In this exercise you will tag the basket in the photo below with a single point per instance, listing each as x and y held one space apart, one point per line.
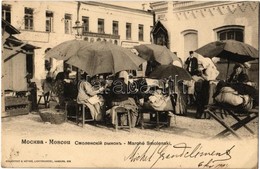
52 116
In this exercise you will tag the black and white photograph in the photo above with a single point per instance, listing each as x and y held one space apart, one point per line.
130 84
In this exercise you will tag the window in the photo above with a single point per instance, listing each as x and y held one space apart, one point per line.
6 13
115 27
234 34
190 41
128 30
101 26
85 23
28 18
49 21
68 24
141 32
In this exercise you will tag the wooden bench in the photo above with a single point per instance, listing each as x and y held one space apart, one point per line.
120 111
82 113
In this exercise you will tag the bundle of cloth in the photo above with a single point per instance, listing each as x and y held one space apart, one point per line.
236 95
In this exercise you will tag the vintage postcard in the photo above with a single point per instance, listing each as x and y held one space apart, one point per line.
130 84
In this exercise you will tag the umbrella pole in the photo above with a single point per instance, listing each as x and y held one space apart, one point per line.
227 71
77 76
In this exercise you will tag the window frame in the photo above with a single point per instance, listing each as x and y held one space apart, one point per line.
50 19
115 31
5 10
85 24
141 34
128 31
228 29
68 23
102 28
28 19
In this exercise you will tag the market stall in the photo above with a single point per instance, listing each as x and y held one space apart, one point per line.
17 69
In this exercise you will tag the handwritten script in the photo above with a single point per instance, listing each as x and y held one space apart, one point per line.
155 153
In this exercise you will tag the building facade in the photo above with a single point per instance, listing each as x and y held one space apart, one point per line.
188 25
46 24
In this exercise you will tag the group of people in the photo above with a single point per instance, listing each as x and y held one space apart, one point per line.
102 97
205 88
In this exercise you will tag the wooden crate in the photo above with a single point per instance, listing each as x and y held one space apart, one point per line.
16 106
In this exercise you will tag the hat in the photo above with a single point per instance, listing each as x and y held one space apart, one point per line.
247 65
135 51
237 65
123 74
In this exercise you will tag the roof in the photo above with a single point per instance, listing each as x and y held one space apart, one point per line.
158 26
9 28
18 42
116 7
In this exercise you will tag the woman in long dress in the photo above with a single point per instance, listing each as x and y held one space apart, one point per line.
88 96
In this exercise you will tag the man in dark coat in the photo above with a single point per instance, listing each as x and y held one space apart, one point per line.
192 64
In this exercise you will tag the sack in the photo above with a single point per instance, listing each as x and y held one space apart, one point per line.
229 96
157 102
248 102
161 102
94 99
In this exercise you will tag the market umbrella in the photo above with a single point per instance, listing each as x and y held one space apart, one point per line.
159 53
104 57
229 49
166 71
66 49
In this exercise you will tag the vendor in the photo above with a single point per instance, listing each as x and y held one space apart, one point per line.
120 97
238 75
88 96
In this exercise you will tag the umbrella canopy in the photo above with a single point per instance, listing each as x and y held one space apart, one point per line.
229 49
66 49
160 53
104 57
165 71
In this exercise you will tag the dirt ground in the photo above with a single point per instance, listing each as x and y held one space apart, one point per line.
185 130
181 126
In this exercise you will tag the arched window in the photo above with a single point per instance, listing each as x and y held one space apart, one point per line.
190 41
233 32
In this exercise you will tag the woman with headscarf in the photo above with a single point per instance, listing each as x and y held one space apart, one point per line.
120 97
88 96
238 75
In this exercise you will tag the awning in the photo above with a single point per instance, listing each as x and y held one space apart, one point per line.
9 28
17 42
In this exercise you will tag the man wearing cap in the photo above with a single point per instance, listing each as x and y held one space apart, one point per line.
192 64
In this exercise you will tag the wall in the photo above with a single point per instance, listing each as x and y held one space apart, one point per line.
207 18
14 71
204 17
